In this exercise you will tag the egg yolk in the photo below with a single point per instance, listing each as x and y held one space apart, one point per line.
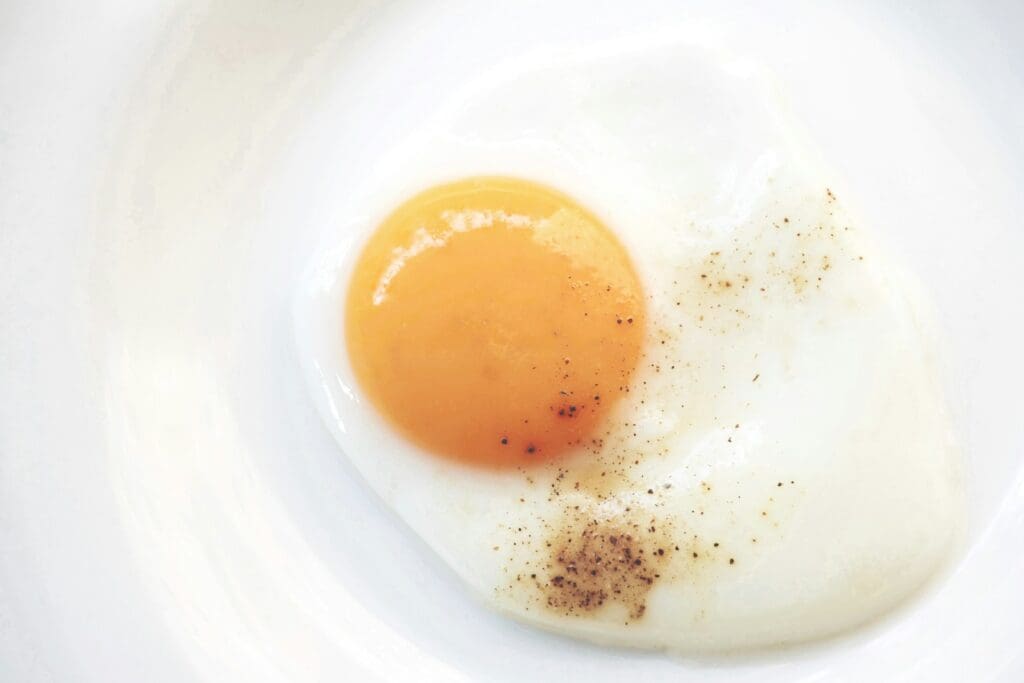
494 321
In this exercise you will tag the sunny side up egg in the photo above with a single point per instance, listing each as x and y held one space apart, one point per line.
620 358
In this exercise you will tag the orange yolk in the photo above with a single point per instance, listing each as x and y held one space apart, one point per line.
494 321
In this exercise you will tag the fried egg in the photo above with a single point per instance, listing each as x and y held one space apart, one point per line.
604 336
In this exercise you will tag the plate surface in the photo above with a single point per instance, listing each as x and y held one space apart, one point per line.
172 508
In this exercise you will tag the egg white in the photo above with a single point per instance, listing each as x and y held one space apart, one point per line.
787 408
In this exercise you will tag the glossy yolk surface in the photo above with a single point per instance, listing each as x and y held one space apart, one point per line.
494 321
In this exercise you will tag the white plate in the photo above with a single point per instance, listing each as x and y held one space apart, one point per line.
171 507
